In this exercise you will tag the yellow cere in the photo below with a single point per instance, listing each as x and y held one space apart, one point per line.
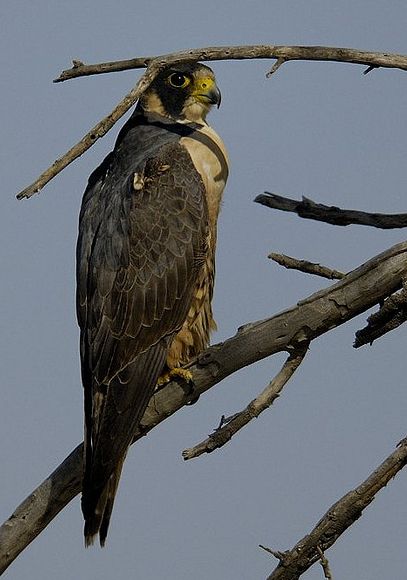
205 83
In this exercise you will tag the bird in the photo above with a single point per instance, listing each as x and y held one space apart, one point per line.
145 268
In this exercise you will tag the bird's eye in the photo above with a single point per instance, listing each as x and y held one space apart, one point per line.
178 80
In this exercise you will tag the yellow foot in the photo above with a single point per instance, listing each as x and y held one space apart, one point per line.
167 377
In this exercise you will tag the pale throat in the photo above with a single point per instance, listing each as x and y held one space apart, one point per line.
193 111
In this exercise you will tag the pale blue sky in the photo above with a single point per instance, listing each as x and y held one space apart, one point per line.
317 129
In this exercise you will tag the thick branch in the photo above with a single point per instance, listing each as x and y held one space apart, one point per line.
40 508
358 291
229 427
308 209
262 51
338 518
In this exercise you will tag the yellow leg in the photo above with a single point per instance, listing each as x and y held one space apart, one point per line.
167 377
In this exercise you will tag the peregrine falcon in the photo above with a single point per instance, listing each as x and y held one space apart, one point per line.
145 268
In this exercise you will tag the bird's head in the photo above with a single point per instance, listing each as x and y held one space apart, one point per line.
184 92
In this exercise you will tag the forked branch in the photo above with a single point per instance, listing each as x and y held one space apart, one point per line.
281 53
340 516
229 427
356 292
156 64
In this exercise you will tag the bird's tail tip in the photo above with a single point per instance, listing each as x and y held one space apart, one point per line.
89 539
97 521
90 535
97 506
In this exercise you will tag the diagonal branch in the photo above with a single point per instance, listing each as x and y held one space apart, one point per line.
355 293
337 519
98 131
229 427
330 214
281 53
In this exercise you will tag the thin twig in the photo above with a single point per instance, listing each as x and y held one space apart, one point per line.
263 51
338 518
279 62
325 564
357 292
392 313
369 69
331 214
230 427
80 69
278 555
305 266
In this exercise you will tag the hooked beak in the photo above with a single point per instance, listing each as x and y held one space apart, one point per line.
207 92
214 96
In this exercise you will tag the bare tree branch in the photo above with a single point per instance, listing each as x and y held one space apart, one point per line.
330 214
356 292
280 53
325 564
229 427
98 131
337 519
40 508
392 313
156 64
80 69
306 267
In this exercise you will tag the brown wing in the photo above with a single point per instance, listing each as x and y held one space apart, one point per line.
139 256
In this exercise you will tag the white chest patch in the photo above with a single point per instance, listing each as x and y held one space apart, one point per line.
210 159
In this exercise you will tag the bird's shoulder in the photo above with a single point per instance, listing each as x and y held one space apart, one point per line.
143 225
145 140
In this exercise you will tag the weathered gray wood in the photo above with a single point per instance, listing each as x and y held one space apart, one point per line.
308 209
356 292
337 519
